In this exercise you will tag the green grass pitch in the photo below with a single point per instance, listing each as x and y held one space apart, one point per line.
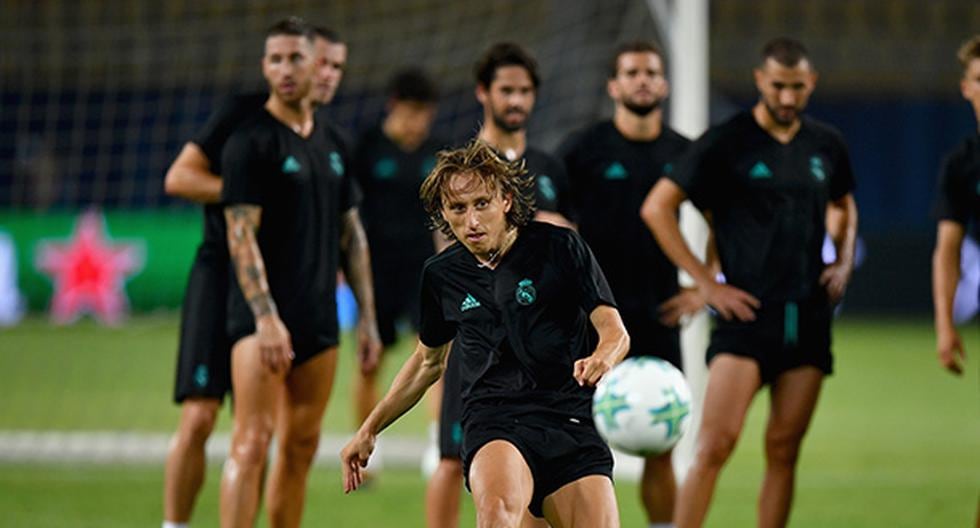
895 441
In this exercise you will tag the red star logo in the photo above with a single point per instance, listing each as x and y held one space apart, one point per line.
89 272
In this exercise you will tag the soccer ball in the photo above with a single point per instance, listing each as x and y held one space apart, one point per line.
642 406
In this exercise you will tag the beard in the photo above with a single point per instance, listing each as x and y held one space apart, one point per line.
775 115
642 110
509 127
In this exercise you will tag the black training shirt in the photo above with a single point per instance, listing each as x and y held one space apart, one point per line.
551 191
958 196
303 187
768 200
610 177
393 216
520 327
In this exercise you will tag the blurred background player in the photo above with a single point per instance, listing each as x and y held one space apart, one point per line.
517 298
203 361
507 83
957 205
769 178
612 166
390 162
290 206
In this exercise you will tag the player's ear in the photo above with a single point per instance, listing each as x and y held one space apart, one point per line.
760 79
481 93
508 200
612 89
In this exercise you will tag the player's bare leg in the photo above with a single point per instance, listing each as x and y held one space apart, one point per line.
530 521
658 488
257 393
184 469
443 493
793 399
502 485
589 501
307 391
732 383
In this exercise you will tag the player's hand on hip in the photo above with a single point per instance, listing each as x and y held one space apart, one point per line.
834 279
675 309
588 371
729 301
369 346
275 343
353 457
949 350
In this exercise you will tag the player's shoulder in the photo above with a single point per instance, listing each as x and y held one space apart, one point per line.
823 131
592 133
734 128
438 263
545 234
240 105
536 156
674 138
966 151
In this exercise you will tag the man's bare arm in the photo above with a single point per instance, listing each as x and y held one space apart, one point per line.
190 177
945 277
356 263
243 247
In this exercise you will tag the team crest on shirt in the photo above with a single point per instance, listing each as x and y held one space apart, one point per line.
526 294
336 163
427 166
547 187
816 168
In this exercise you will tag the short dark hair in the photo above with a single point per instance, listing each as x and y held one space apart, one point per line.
293 26
786 51
328 34
505 54
969 50
413 84
499 175
634 46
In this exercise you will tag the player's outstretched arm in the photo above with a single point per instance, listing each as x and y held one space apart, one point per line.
659 211
274 340
842 221
423 368
356 262
190 177
613 345
945 276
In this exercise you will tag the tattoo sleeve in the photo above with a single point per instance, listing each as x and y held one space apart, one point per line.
243 223
356 261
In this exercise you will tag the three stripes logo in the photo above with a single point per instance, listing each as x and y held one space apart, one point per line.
760 171
291 166
469 303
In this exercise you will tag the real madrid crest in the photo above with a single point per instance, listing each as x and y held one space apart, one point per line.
525 294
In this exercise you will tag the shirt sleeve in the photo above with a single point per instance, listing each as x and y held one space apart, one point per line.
563 189
228 116
842 178
951 197
698 172
434 329
247 168
568 155
593 288
350 190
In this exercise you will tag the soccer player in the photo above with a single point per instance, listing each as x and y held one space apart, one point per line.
390 162
203 368
507 82
290 211
957 205
517 297
612 166
774 183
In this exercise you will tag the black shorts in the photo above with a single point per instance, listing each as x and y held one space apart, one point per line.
558 450
451 412
648 337
784 336
204 353
396 291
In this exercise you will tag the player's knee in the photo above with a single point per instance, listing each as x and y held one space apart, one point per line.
782 448
715 448
498 511
198 422
251 446
299 449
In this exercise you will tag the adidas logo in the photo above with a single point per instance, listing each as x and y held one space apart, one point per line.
616 171
759 171
291 166
469 303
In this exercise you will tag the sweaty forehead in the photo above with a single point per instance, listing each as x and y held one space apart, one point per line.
775 69
638 59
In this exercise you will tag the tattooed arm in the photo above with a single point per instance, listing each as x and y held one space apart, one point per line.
274 341
356 262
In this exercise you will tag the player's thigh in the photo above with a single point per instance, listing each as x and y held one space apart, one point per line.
257 389
499 470
308 388
589 501
732 383
793 399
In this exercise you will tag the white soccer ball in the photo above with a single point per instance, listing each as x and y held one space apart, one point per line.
642 406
